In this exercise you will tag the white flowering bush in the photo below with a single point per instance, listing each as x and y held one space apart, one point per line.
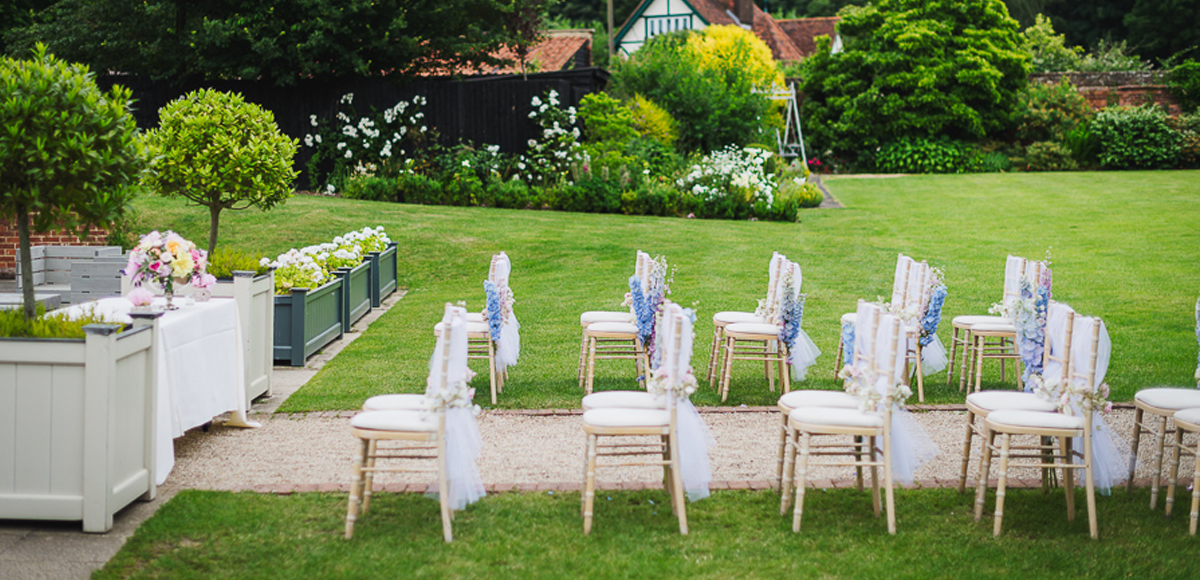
313 266
351 144
548 158
732 172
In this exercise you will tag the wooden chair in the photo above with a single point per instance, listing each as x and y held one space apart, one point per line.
1013 268
615 336
758 341
1161 404
480 346
1064 427
723 319
872 446
657 423
424 431
1002 335
1057 350
899 291
1186 421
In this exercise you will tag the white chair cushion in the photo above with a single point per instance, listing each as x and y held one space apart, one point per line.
1169 398
753 328
617 327
475 317
731 317
604 316
836 417
472 327
819 398
851 317
1010 400
994 327
624 400
395 401
614 417
972 320
1189 416
408 421
1035 419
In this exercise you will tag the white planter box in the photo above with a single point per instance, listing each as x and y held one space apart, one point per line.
77 425
255 296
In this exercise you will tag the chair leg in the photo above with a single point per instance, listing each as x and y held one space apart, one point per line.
591 366
785 371
841 351
1001 483
787 466
728 370
583 341
677 486
1158 459
967 362
985 464
369 477
1090 483
858 468
1137 437
492 368
801 480
978 357
713 355
890 489
1068 477
953 356
920 375
875 500
355 489
770 350
589 485
444 491
1174 472
966 453
1195 515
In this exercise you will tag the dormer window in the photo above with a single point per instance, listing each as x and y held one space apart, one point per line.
656 25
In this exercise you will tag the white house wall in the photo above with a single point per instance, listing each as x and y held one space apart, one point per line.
659 17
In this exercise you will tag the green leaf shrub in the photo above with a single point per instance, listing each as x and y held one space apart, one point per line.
225 261
1136 138
68 152
913 68
712 100
994 162
371 188
653 121
419 189
1048 156
14 324
1049 51
921 155
1184 83
1049 112
1083 144
803 192
221 152
1188 126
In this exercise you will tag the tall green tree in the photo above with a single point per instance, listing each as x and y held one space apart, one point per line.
281 41
916 68
1160 29
67 152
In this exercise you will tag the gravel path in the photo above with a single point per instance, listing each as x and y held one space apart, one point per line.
527 451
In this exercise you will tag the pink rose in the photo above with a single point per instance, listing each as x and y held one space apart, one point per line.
1108 407
204 281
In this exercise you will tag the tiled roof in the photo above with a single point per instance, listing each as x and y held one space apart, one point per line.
804 31
718 12
556 51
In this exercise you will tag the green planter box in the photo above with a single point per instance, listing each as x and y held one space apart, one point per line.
307 320
383 274
77 423
356 293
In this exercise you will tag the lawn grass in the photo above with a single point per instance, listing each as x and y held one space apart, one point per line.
734 534
1126 246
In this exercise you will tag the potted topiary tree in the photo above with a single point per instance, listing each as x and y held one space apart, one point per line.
76 414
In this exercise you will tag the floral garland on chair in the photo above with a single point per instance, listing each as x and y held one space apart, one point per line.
791 311
499 309
657 381
456 396
645 305
932 316
1029 313
1198 341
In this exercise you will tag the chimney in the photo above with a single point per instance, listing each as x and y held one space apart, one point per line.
744 11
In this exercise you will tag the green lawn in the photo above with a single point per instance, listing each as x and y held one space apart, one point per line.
1126 246
734 534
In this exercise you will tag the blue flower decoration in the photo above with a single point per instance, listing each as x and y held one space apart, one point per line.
493 308
933 315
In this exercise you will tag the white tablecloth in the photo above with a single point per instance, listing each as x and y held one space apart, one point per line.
199 368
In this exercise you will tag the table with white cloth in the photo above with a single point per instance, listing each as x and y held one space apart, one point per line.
199 368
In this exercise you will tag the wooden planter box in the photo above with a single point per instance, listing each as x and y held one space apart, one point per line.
356 288
307 320
383 274
255 296
77 424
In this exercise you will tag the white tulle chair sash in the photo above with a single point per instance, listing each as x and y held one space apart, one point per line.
1109 454
693 435
447 394
505 329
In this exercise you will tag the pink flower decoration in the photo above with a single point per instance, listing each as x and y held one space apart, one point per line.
140 296
205 280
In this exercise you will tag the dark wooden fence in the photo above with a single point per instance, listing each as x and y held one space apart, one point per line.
484 110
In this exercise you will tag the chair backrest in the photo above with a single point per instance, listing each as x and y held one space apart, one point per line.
866 320
1060 329
1090 352
915 287
900 280
500 269
774 269
448 366
891 350
1014 268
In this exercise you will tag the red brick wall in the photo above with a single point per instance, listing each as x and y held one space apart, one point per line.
1102 89
9 244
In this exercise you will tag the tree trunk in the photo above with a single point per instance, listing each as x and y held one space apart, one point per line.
214 213
25 255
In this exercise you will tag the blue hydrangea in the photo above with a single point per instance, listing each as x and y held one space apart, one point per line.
933 315
493 308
